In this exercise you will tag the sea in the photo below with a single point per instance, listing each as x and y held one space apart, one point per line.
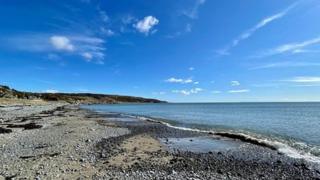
292 128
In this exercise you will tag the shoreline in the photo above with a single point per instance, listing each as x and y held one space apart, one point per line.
77 143
273 144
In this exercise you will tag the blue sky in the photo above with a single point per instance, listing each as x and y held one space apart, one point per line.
174 50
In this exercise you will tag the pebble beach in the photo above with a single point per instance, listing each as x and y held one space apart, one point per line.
60 141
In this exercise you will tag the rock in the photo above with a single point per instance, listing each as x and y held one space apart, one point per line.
279 161
3 130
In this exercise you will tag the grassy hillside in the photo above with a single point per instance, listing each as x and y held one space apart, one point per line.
8 93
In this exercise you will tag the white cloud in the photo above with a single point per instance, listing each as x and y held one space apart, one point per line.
90 48
88 56
294 48
104 16
61 43
285 64
52 91
107 32
304 79
261 24
248 33
188 92
191 68
55 45
235 83
128 19
239 91
146 25
215 92
181 81
159 93
196 82
87 39
127 22
193 12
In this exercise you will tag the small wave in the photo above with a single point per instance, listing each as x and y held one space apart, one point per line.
246 138
271 144
297 150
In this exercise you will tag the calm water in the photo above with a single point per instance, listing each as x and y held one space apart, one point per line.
294 124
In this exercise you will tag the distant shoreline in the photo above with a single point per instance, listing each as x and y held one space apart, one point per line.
72 98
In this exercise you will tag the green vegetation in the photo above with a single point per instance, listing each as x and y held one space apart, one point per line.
77 98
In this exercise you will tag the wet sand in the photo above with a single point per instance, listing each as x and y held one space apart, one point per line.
65 142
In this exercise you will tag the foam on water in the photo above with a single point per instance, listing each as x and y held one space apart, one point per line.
290 128
279 146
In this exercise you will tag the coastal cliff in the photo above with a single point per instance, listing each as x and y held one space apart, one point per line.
73 98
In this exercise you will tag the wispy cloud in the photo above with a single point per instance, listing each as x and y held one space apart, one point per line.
127 22
216 92
235 83
159 93
87 56
87 47
104 17
178 80
188 92
297 47
239 91
248 33
107 32
90 48
285 64
187 29
304 79
128 19
193 12
146 25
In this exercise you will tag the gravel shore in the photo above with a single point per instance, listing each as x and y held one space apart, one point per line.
58 141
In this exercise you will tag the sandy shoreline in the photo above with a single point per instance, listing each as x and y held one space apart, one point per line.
56 141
